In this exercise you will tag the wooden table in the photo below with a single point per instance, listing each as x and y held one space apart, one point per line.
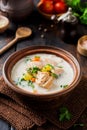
44 33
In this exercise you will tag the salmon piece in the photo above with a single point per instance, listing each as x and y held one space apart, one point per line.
50 61
57 70
38 64
48 83
43 79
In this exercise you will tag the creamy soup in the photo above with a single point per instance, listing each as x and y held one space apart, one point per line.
42 73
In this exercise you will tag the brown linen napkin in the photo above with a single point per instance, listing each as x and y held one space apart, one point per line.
19 121
76 105
36 117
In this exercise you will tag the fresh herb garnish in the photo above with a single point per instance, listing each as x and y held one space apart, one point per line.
27 59
59 66
47 68
54 75
63 86
37 56
79 124
79 9
64 114
33 70
19 81
30 83
29 70
52 67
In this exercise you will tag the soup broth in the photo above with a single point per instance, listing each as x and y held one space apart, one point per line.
42 73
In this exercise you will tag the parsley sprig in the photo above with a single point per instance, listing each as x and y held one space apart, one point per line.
79 124
33 70
27 59
30 83
63 86
64 114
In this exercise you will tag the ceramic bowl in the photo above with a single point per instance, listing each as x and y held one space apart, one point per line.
82 45
4 23
45 15
50 100
17 10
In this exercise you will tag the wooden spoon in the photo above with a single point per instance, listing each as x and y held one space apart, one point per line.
21 33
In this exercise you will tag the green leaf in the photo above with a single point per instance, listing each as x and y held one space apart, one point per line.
52 67
54 75
76 14
30 83
79 9
35 70
63 86
37 56
60 66
64 114
80 124
27 59
72 3
83 18
19 81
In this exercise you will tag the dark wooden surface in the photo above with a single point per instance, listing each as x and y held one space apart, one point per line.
50 38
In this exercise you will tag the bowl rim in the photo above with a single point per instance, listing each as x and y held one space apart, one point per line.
6 21
74 83
80 41
81 49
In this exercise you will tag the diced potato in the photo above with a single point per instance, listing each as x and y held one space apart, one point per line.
27 76
47 68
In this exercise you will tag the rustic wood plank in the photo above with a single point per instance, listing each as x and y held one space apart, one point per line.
35 21
4 39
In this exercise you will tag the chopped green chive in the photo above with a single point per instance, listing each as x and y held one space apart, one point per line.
54 75
60 66
63 86
33 70
27 59
50 66
30 83
37 56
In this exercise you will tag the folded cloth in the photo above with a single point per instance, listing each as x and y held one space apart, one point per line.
22 116
19 121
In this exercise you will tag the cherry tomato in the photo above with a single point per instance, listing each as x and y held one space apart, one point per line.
42 1
60 7
55 1
47 6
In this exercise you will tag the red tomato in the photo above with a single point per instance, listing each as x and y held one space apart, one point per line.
47 6
55 1
42 1
60 7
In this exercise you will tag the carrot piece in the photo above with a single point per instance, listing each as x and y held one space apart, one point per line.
33 79
35 91
36 58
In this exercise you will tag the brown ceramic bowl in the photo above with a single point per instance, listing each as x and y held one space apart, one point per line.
43 100
46 15
82 45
